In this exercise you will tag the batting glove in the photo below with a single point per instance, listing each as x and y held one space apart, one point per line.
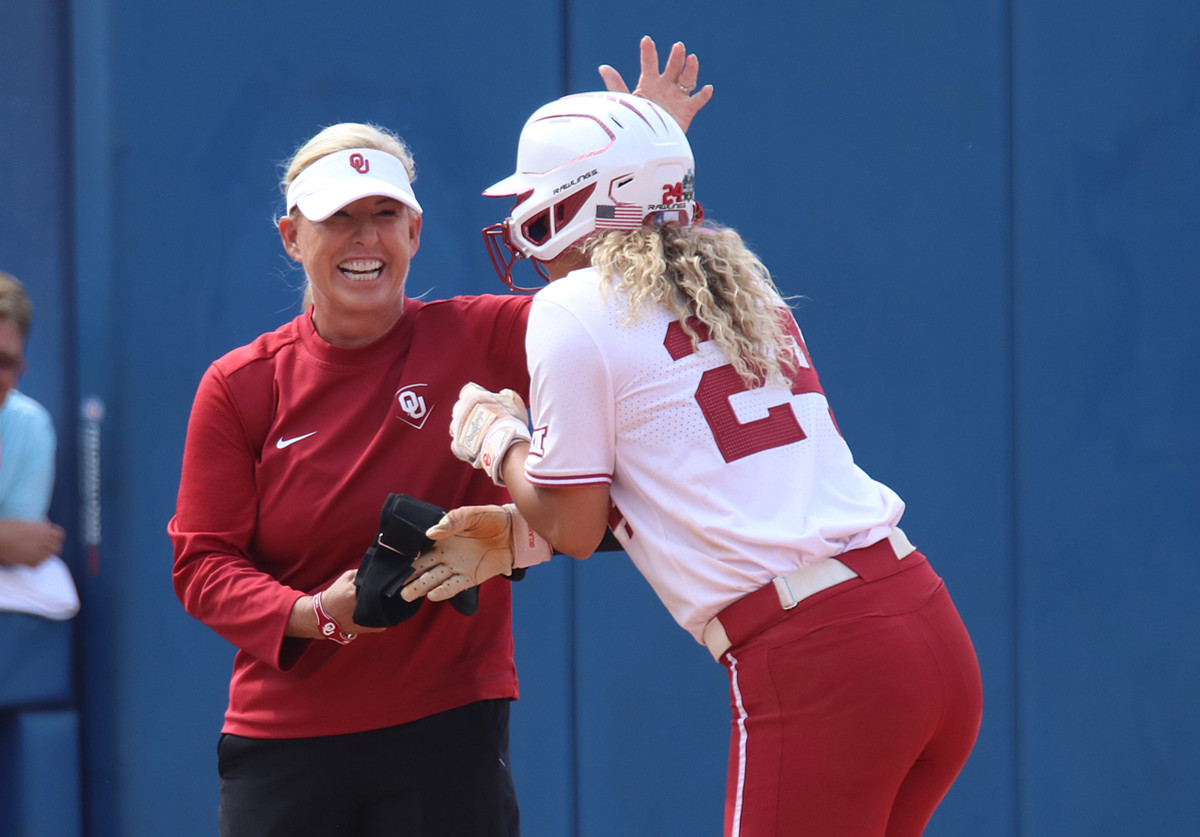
484 425
473 544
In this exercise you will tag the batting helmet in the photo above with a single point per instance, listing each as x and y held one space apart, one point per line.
591 161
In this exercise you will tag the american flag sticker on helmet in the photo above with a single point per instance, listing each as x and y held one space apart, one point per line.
623 216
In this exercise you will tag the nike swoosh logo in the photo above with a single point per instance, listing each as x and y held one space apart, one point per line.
283 443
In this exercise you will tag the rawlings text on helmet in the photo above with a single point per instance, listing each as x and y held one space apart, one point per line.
577 180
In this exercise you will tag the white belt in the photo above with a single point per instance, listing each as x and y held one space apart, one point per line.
798 585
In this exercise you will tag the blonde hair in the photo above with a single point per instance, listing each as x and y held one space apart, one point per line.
340 137
14 304
705 272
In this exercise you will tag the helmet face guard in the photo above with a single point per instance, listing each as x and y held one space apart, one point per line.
504 255
588 162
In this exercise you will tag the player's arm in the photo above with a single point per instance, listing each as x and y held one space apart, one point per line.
573 518
491 431
475 543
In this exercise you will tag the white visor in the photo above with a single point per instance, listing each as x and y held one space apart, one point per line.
343 177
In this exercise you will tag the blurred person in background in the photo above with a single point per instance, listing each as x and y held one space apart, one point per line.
33 578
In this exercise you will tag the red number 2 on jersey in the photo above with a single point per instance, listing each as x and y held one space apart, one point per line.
734 439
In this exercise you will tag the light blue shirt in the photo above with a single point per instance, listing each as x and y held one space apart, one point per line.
26 458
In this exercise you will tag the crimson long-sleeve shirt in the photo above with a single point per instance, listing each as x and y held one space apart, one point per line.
292 447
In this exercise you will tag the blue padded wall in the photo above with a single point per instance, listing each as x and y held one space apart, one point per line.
865 157
35 658
188 114
1107 283
40 788
40 769
36 243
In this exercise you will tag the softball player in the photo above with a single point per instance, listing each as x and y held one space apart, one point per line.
674 399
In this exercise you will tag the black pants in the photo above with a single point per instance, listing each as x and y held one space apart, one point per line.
442 776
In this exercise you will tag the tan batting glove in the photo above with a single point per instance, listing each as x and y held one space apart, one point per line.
484 425
473 544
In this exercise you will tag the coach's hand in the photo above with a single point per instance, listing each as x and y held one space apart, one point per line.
484 425
474 543
337 602
672 89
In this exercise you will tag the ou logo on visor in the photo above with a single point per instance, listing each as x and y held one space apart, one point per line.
413 409
360 163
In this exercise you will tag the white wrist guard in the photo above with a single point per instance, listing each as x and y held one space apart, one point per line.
528 546
498 435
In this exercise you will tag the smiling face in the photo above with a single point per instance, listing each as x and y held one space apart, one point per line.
357 262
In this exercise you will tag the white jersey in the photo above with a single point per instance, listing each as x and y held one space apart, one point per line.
716 489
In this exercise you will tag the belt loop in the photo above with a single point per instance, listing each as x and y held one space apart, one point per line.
715 638
901 545
783 588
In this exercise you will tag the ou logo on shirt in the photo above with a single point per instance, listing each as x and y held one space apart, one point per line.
413 408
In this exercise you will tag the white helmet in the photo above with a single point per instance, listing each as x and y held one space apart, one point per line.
591 161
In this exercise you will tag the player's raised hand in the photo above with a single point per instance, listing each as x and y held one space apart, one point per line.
473 544
673 89
484 425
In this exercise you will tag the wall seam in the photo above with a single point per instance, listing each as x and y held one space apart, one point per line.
1014 414
574 814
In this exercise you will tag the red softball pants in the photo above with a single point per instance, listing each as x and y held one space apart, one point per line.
854 712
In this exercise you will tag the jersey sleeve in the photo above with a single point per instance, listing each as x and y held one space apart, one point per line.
212 530
572 405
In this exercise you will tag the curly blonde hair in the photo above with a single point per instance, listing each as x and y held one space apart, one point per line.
709 273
